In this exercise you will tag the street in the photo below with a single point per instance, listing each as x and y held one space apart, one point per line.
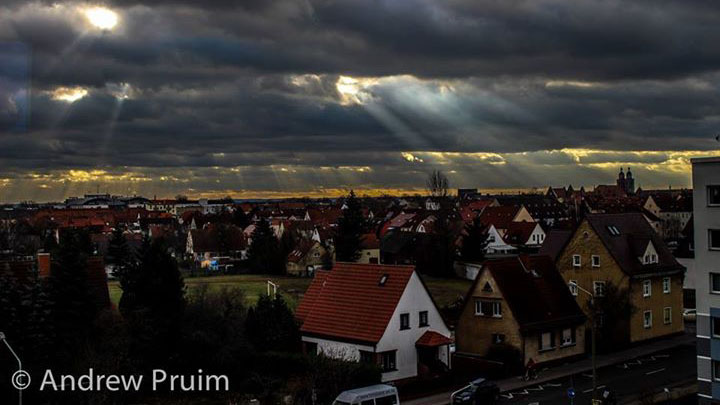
632 378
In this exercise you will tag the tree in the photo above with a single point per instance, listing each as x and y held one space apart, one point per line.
119 255
437 184
240 219
474 242
153 302
264 253
271 326
612 312
73 307
351 228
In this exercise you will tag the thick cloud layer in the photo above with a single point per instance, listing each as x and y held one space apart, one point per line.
293 96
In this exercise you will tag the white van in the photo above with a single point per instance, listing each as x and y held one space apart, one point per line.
380 394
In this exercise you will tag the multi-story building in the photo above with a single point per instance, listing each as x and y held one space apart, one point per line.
706 213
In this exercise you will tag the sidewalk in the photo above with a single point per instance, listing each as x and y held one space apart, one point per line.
566 370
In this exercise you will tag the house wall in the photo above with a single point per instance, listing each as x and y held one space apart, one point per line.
473 334
523 215
367 254
656 303
338 350
532 346
609 271
415 298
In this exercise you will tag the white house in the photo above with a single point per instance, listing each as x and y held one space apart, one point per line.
375 313
496 243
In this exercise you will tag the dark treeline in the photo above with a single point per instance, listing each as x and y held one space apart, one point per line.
55 323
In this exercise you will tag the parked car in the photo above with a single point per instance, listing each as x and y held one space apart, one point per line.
689 315
380 394
479 391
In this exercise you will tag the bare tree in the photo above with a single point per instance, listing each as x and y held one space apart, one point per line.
437 184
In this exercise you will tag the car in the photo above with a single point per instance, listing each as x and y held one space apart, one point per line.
479 391
689 315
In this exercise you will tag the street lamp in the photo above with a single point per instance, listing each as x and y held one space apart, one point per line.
592 333
2 337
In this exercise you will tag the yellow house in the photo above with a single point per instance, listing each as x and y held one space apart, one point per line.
524 302
623 249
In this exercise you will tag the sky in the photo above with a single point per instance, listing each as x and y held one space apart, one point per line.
258 98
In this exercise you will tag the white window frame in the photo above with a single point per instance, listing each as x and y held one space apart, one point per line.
667 315
565 343
593 259
595 290
478 308
646 324
667 285
647 288
573 286
577 261
497 309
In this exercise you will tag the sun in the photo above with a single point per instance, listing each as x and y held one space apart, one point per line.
102 17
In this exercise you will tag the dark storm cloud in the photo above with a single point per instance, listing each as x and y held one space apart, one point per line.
254 85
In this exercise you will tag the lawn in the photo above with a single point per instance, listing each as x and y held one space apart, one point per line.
252 284
444 291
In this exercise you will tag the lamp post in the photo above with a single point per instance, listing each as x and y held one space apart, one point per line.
592 337
2 337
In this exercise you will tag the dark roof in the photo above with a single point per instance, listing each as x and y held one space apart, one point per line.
501 216
555 242
634 235
519 232
349 303
535 292
212 238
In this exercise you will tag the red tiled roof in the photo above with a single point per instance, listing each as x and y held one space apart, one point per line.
348 303
501 216
370 241
433 339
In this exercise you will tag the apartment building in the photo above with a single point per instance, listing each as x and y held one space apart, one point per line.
706 213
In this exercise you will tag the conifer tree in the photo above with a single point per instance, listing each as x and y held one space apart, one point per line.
351 228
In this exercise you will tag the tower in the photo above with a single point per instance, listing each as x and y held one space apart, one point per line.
629 182
621 181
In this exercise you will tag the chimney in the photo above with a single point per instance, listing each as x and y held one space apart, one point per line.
43 263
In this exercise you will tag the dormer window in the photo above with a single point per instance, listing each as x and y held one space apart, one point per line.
613 230
383 280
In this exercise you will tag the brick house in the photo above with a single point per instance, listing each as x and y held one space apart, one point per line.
624 250
524 302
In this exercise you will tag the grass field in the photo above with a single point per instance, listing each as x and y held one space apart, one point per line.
444 291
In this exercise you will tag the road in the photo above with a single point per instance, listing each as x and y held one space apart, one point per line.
645 374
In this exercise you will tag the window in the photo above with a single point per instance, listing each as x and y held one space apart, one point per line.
367 357
650 258
404 321
715 283
568 337
423 316
647 319
496 309
713 195
714 239
667 315
498 338
716 327
666 285
573 287
387 400
488 308
576 261
595 261
647 288
599 288
547 341
716 370
388 361
613 230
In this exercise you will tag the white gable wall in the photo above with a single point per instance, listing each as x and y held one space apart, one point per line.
338 350
415 298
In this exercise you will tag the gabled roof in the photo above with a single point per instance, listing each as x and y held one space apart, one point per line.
501 216
433 339
349 303
535 292
555 242
626 236
519 232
